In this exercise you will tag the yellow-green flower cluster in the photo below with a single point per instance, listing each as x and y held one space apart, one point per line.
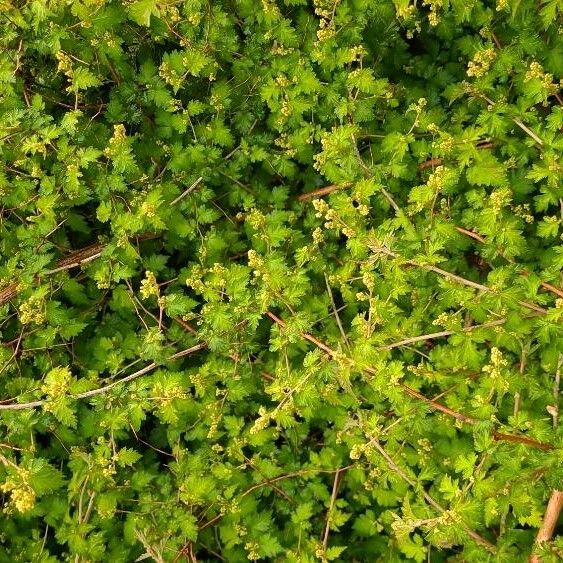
449 321
433 16
497 363
170 76
523 210
116 141
436 180
22 496
149 286
57 382
536 72
500 198
64 64
32 311
481 63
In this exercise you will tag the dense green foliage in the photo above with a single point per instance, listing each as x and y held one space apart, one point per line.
370 374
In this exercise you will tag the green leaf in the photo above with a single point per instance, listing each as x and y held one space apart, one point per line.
486 170
140 11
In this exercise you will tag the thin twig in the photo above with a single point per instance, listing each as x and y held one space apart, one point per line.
432 162
478 237
518 122
187 191
335 487
269 482
105 388
72 260
441 334
556 384
320 192
471 234
455 277
335 310
528 131
500 436
394 467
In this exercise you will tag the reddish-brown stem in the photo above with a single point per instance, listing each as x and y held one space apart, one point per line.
549 287
550 519
432 162
471 234
420 397
320 192
71 260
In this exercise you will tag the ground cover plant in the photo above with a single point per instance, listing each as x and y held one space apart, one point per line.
280 280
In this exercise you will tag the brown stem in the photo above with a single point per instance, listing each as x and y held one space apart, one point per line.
471 234
432 335
419 396
478 237
394 467
549 521
320 192
455 277
432 162
274 480
187 191
71 260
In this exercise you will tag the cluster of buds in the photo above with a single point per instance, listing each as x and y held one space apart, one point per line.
32 311
536 72
57 382
107 466
332 220
262 421
433 16
149 286
500 198
283 142
116 141
256 219
252 550
270 9
445 143
170 76
167 393
523 210
449 321
497 363
22 495
481 62
64 64
256 262
437 180
356 53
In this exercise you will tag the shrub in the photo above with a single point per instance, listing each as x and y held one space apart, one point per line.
280 280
